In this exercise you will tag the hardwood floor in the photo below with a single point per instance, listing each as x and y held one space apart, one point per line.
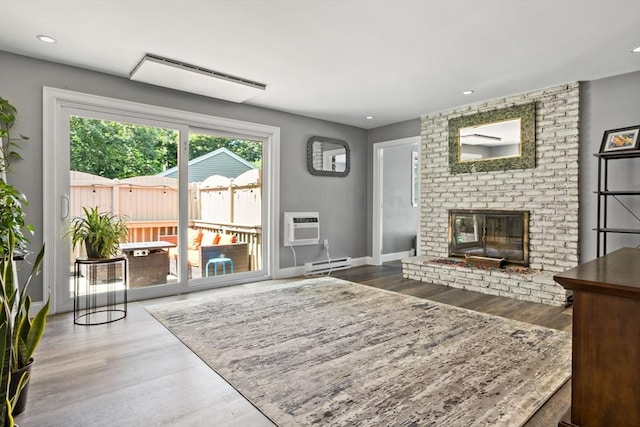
389 277
135 372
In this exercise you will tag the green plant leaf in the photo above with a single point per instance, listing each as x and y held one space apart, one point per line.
36 331
6 418
103 231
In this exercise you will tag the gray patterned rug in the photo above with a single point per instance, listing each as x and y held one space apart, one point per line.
330 352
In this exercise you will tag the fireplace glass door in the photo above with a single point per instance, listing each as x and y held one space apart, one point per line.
490 233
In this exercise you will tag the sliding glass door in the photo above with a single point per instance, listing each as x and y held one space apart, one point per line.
115 167
191 194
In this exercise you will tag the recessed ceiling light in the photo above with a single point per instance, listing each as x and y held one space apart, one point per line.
467 92
636 50
369 117
45 39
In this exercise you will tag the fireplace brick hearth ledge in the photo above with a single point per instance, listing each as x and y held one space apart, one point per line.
523 284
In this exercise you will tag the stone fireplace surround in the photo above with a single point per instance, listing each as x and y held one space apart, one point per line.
549 191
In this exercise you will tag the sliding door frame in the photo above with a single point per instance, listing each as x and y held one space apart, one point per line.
56 105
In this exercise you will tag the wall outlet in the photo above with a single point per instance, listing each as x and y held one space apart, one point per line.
326 243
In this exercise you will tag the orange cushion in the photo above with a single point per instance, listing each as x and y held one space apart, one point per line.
217 239
209 238
227 239
193 256
193 240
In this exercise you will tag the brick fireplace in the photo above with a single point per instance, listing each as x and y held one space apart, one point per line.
548 192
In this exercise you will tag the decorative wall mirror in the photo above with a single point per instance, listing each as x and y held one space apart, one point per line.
493 140
328 157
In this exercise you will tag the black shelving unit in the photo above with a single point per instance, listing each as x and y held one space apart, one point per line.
604 194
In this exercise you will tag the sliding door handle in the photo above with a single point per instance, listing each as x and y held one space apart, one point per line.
64 207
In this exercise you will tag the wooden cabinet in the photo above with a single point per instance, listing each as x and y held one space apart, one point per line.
605 383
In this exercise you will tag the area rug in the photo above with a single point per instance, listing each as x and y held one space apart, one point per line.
330 352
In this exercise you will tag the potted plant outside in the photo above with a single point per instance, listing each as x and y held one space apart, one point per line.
101 232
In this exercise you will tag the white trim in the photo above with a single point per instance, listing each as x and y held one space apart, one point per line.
366 261
55 100
376 232
396 256
286 273
378 158
357 262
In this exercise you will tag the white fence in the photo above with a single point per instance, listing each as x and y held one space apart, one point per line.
153 198
150 205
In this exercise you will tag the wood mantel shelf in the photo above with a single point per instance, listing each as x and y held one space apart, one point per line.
606 340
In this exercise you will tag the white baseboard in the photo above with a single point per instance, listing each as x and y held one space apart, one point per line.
357 262
286 273
396 256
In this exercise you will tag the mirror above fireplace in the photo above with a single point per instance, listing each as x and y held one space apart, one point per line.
493 140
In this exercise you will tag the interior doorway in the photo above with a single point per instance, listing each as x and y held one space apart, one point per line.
395 199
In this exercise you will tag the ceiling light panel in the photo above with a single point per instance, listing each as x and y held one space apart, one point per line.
178 75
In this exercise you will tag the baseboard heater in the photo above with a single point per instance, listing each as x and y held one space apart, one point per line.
327 265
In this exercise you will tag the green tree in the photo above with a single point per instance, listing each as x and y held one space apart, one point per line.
122 150
251 151
118 150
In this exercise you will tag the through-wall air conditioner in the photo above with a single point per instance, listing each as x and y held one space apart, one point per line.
301 228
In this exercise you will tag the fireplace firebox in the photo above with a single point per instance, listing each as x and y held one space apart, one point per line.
487 233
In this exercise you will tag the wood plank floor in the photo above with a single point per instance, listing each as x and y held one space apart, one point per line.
135 372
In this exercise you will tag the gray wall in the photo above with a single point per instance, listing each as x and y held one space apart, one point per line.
609 103
400 218
399 130
340 201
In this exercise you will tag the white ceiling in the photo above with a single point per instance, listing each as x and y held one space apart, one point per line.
344 60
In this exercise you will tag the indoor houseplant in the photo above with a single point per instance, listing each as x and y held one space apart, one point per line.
19 333
101 232
26 332
8 147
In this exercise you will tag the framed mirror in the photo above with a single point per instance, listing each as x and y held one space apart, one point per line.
493 140
328 157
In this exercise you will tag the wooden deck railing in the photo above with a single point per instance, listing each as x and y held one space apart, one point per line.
145 231
148 231
251 234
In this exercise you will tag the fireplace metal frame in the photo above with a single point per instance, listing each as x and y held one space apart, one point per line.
485 212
